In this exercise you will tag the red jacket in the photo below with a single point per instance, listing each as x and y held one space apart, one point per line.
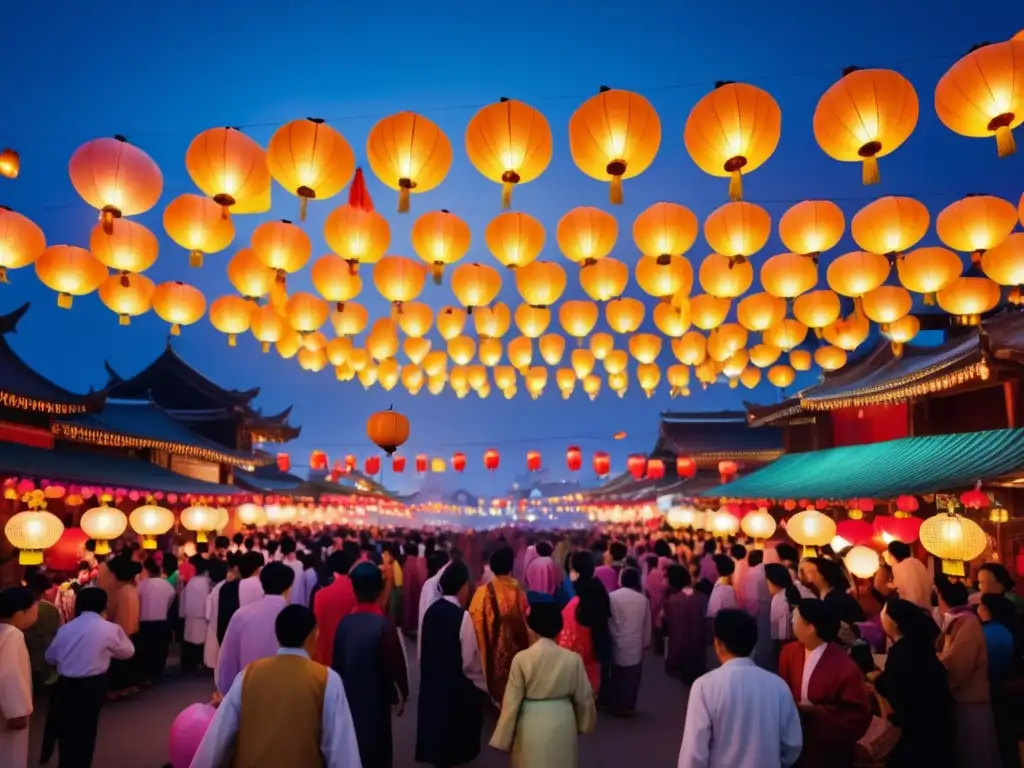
331 604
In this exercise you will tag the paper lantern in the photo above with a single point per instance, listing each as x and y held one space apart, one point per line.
830 358
645 347
150 521
313 360
371 466
475 285
421 462
817 309
532 321
786 335
782 376
760 311
954 539
614 136
655 469
536 379
127 295
928 271
282 246
758 525
733 130
70 271
649 376
249 275
440 238
750 377
492 322
605 279
1005 263
686 467
862 562
720 276
615 362
115 178
515 239
388 374
437 464
565 379
670 320
334 281
847 333
504 376
890 225
601 344
231 315
533 461
886 304
305 312
178 304
811 227
198 225
586 235
685 517
230 168
509 143
355 231
491 459
461 350
102 524
975 498
983 94
520 352
976 223
968 298
708 312
787 275
858 272
578 318
624 315
725 340
552 347
10 163
200 519
636 465
811 529
269 328
592 385
409 153
763 355
31 532
21 241
250 514
574 458
855 531
399 279
540 283
665 229
800 360
866 115
412 378
722 523
310 159
602 463
738 230
127 247
690 349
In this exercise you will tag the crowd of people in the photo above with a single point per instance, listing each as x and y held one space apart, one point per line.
520 639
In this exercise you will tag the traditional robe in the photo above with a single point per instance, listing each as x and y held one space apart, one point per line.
331 604
686 634
498 610
415 573
211 644
15 696
369 658
839 711
250 636
193 611
548 701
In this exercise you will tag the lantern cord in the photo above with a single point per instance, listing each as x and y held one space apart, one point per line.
615 191
1004 141
506 195
869 171
735 187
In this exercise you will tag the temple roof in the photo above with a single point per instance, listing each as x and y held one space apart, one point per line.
144 424
713 436
22 388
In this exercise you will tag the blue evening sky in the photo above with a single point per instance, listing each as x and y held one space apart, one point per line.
160 72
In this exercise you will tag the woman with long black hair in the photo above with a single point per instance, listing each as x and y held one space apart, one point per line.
585 619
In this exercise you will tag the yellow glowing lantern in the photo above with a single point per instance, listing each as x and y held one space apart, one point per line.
678 376
601 344
103 524
856 273
614 136
954 539
115 177
509 143
928 271
416 348
787 275
282 246
729 336
388 374
863 562
719 276
967 298
489 351
750 377
350 320
552 347
150 521
338 350
461 350
615 362
200 519
540 283
583 361
70 271
382 341
648 375
664 276
536 380
475 285
800 360
515 239
334 281
983 94
1005 263
127 247
665 229
578 318
31 532
532 321
178 304
690 348
707 312
436 384
760 311
399 279
830 358
198 225
231 315
738 230
645 347
733 130
817 309
127 295
305 312
764 355
812 227
520 352
288 342
412 378
786 335
416 319
887 304
476 377
811 529
565 378
866 115
624 315
440 238
758 525
509 392
605 279
21 241
357 233
409 153
722 523
312 360
976 223
902 331
848 333
310 159
435 363
367 376
250 514
230 168
250 276
10 163
504 376
344 372
735 363
586 235
359 359
671 320
493 321
592 385
450 322
313 341
890 225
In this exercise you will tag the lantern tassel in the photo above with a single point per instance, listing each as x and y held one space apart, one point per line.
107 219
1005 144
437 272
266 347
506 195
3 275
124 320
302 208
897 348
64 300
869 171
195 259
615 191
175 329
232 341
736 186
929 299
403 199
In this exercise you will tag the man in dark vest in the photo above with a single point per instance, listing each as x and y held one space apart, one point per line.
369 658
452 685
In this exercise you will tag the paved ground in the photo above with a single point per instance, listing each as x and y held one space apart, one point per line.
133 734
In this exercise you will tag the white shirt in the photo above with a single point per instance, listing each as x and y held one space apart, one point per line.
193 609
811 659
472 666
913 581
84 646
430 594
15 695
211 647
155 597
740 716
630 626
723 596
249 591
299 595
782 623
337 741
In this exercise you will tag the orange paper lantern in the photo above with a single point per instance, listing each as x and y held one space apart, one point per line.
509 143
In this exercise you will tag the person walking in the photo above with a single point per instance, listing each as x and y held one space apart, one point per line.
19 610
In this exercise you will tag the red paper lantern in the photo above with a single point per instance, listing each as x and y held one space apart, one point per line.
421 462
602 463
975 499
533 461
855 531
686 467
574 458
907 503
318 461
67 552
637 466
821 505
905 529
789 505
458 461
284 462
372 465
398 464
350 463
655 469
491 459
727 470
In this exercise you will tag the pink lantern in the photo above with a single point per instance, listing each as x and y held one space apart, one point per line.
187 733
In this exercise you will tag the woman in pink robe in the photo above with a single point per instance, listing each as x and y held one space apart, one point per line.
657 588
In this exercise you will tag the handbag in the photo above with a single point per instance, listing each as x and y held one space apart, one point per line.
878 741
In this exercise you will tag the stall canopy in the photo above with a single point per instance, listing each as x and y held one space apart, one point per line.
884 470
